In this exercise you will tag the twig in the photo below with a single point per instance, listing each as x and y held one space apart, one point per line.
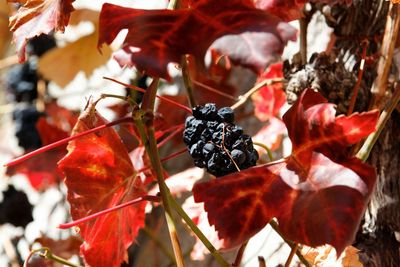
150 144
239 255
174 4
261 262
258 86
359 78
291 244
291 255
269 152
365 150
214 252
387 49
47 254
130 86
303 39
187 80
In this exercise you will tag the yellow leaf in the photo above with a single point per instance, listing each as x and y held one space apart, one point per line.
84 15
61 65
5 33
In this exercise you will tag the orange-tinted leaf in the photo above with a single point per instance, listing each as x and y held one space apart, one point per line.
4 31
99 175
269 99
36 17
317 197
158 37
80 55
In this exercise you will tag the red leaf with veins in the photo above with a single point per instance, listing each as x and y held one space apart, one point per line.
158 37
36 17
269 99
99 175
317 198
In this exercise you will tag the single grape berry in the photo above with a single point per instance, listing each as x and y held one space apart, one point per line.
216 143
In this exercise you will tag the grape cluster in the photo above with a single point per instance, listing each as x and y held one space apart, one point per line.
25 118
216 143
15 208
22 82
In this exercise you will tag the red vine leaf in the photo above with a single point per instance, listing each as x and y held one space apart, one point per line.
36 17
99 175
269 99
158 37
316 197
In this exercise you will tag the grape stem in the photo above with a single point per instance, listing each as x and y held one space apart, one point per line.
243 98
46 253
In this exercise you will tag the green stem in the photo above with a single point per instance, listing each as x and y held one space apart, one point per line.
47 254
187 80
291 244
124 98
150 144
214 252
174 4
365 150
269 152
160 244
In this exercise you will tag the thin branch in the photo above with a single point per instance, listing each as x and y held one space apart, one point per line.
261 262
359 79
291 244
269 152
258 86
365 150
387 49
130 86
291 255
187 80
239 255
150 144
46 253
214 252
303 39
